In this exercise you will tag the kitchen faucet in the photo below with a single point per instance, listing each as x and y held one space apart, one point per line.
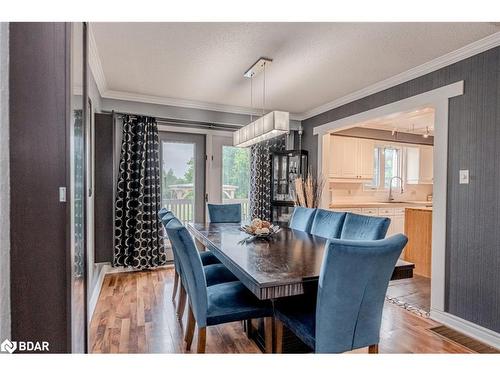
391 198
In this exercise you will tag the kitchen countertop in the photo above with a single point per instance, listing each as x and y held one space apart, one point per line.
420 208
410 204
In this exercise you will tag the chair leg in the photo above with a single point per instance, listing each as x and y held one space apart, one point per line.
249 328
373 349
278 336
268 333
182 302
190 328
176 284
202 339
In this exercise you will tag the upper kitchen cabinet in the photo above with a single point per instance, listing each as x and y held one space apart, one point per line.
419 165
351 159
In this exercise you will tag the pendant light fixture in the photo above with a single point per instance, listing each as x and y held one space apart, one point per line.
270 125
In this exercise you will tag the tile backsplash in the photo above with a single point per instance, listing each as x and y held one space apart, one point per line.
355 192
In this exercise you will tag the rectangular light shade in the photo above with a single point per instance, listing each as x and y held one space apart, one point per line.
266 127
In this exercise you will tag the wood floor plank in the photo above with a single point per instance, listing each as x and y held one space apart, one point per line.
135 314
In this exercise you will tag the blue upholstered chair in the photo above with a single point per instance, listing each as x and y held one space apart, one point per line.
347 312
361 227
302 218
216 304
163 211
207 257
215 272
224 213
327 224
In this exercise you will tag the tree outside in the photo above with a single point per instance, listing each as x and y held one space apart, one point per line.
236 169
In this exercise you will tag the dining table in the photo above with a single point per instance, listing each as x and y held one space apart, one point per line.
284 265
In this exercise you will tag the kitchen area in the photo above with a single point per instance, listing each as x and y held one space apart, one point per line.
384 167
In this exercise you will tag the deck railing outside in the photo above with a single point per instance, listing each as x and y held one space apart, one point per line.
184 208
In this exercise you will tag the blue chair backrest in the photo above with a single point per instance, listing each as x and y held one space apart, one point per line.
162 212
328 224
351 292
362 227
165 217
302 218
224 213
192 268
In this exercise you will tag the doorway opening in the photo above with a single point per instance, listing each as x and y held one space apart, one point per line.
383 166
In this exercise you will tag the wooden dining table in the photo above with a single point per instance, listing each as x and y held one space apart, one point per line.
281 266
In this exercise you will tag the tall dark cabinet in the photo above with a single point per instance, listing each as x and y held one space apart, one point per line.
286 166
47 184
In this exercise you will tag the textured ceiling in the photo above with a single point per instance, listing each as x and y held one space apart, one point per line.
314 63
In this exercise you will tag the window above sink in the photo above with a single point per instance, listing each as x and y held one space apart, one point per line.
387 163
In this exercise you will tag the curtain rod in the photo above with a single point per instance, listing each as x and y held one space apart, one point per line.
187 123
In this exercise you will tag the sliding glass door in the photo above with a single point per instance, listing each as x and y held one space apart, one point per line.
183 174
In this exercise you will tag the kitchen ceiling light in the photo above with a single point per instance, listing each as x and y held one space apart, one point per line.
427 133
270 125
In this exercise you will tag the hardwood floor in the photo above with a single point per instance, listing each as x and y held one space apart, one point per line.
135 314
415 291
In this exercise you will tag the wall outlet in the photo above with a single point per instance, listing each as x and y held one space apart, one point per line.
464 176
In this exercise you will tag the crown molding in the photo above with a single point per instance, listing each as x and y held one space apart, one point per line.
184 103
462 53
95 63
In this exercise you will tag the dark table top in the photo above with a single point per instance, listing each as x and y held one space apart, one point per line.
281 266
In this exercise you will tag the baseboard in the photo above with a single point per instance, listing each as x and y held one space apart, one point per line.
121 269
475 331
97 290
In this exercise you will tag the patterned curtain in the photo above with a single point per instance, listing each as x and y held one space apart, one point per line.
138 231
260 176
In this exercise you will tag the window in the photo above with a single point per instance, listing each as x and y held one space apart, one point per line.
387 163
236 177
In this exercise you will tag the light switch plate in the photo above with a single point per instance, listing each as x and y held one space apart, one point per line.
464 176
62 194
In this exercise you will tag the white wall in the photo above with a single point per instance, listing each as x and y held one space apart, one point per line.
4 184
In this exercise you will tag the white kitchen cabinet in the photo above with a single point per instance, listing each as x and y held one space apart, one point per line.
396 214
370 211
365 149
397 224
336 157
419 165
426 165
351 159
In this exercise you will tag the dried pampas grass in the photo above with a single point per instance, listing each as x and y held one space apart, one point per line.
308 191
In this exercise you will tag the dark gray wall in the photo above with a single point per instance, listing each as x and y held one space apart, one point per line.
40 258
473 211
